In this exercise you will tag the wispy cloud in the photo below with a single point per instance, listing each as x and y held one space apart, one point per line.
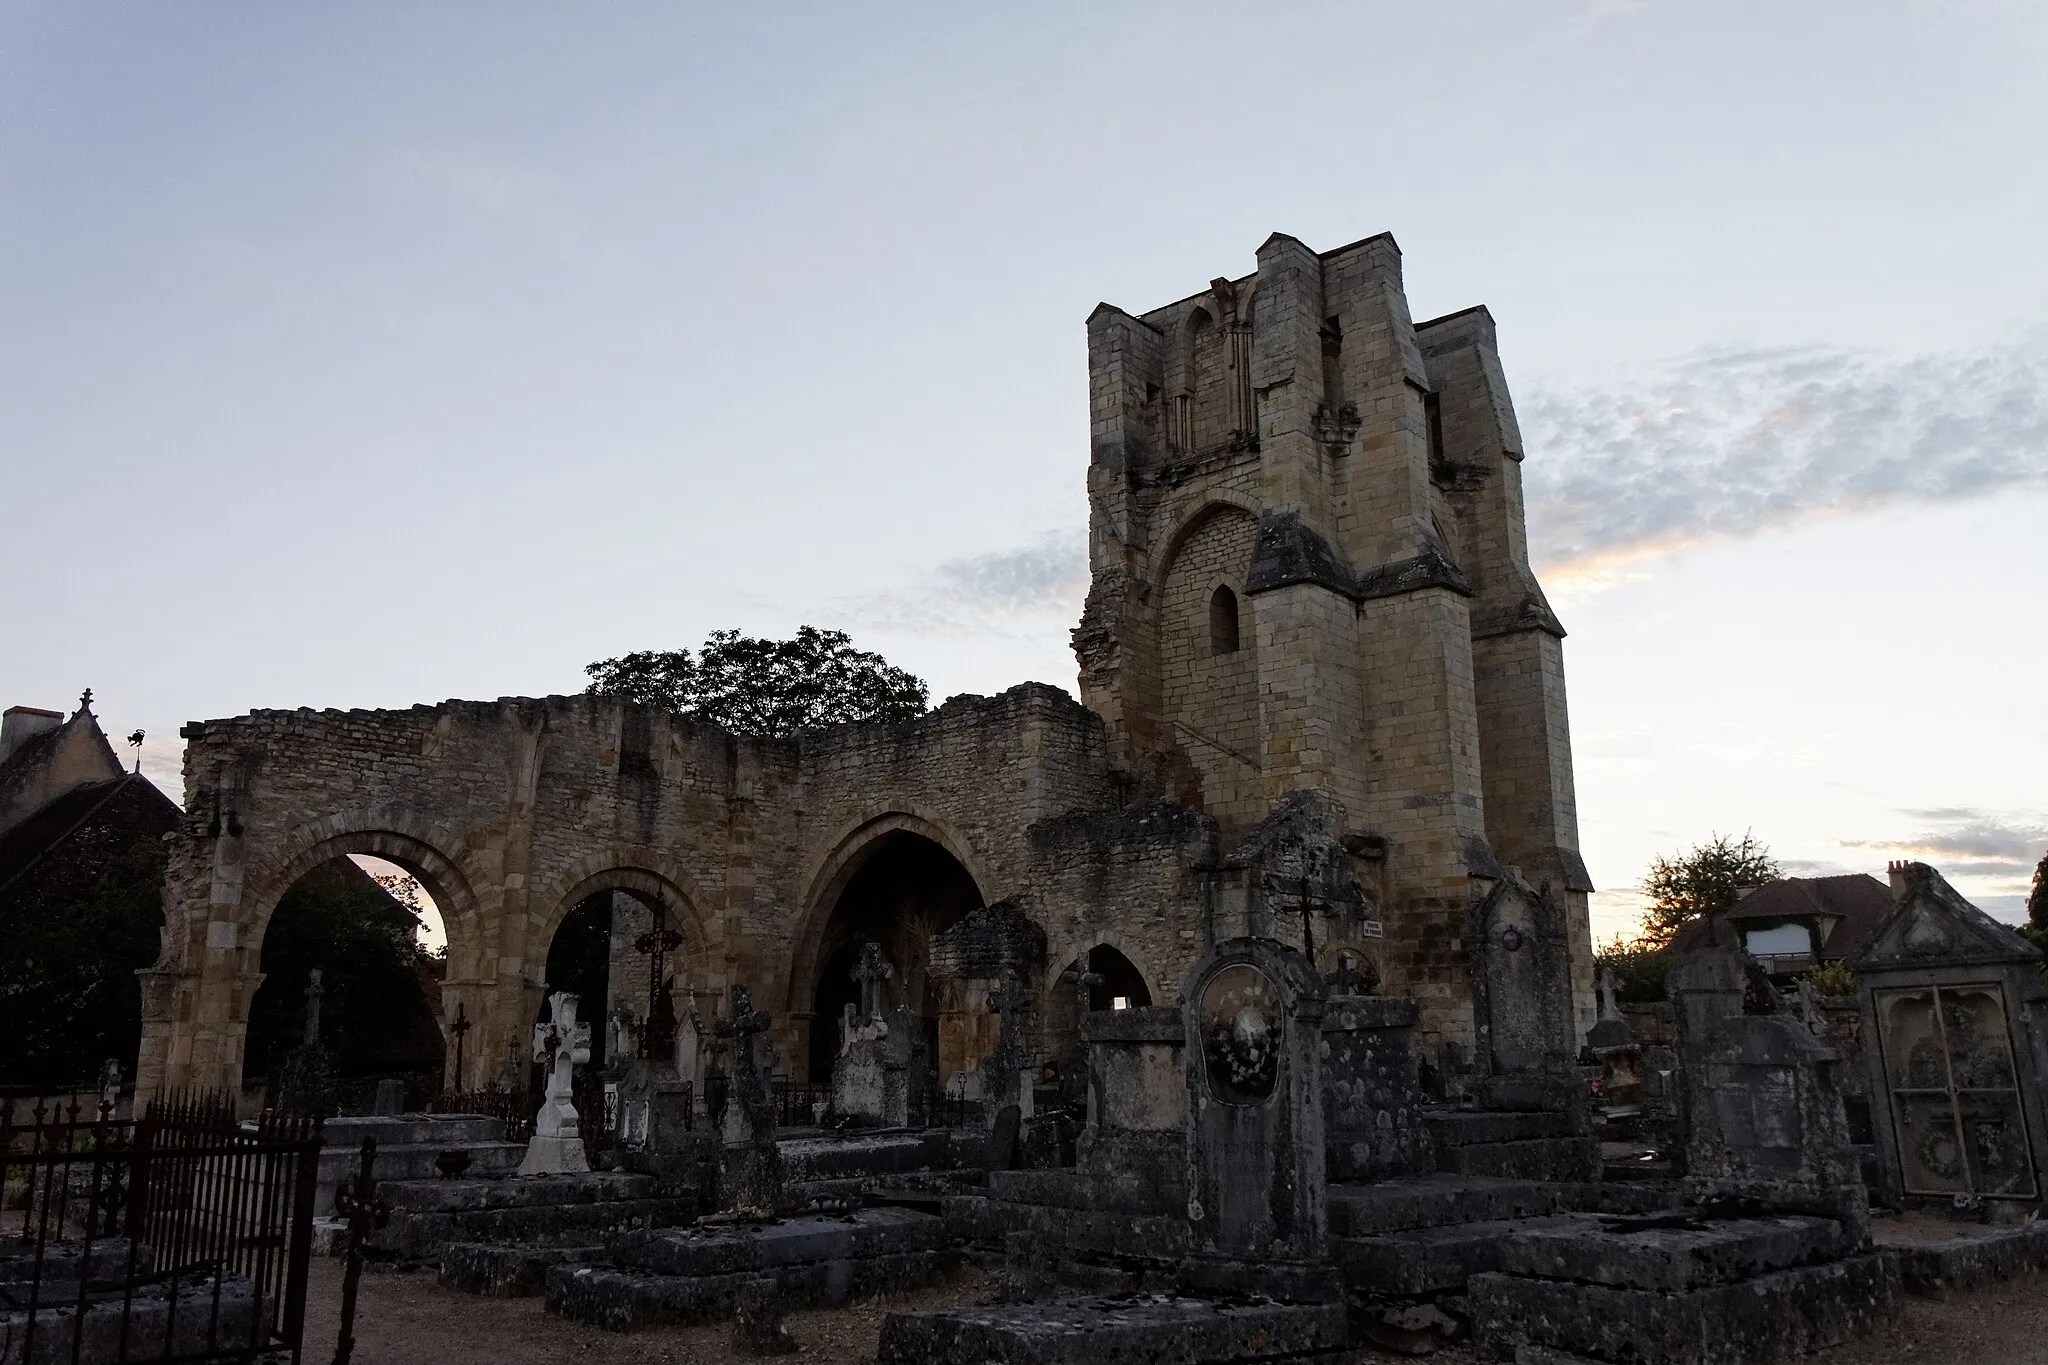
991 592
1968 843
1728 443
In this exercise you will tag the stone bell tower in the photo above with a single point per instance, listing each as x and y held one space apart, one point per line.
1311 572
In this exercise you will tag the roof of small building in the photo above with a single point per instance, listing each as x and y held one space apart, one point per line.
1858 903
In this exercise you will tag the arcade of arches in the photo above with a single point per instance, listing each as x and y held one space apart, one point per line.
1324 701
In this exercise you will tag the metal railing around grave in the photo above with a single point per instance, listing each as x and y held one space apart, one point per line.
180 1236
513 1108
798 1103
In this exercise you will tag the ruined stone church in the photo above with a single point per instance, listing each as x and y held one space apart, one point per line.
1322 700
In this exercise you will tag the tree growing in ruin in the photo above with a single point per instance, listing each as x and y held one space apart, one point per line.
754 686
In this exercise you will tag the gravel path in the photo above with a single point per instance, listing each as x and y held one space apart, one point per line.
408 1319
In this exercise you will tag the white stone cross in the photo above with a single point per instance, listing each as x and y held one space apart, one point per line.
562 1045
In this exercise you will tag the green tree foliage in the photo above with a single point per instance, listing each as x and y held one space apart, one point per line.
1711 877
68 957
2036 927
1638 969
766 687
1831 978
374 1013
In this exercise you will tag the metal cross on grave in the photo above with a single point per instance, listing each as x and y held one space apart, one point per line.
658 1036
314 990
459 1028
870 972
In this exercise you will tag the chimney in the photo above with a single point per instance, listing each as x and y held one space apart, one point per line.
1896 871
20 724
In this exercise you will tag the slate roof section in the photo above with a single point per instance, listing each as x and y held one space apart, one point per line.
63 829
1859 903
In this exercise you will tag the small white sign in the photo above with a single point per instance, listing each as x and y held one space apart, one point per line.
1371 929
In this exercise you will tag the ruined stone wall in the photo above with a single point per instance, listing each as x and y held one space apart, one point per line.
513 812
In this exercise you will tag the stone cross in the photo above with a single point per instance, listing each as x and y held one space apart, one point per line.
1607 995
1085 983
872 970
314 990
1003 1069
563 1045
750 1166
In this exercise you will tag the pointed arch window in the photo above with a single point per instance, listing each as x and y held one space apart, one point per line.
1223 624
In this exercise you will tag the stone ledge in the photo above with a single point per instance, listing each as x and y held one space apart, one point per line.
1970 1261
1593 1249
1757 1321
623 1299
1099 1331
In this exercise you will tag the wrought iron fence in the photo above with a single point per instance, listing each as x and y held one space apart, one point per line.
798 1103
183 1235
951 1111
513 1108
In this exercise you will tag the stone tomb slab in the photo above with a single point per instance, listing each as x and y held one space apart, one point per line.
1756 1321
1140 1330
1670 1254
696 1274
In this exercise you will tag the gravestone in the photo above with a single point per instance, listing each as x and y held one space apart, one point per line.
1137 1095
1761 1104
1372 1089
390 1099
1253 1013
1955 1022
562 1044
749 1165
1524 1031
306 1081
1611 1044
1006 1079
870 1077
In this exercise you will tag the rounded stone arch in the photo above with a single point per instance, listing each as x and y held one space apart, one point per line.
1214 504
828 873
654 879
389 835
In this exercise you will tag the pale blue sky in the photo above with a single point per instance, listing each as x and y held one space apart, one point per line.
381 354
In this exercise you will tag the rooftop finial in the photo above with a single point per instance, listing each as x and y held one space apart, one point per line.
85 700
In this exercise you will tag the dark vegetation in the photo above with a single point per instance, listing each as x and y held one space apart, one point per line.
756 686
381 988
1711 876
75 926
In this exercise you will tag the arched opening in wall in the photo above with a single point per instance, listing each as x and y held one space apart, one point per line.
580 963
645 940
906 890
1223 636
1349 969
1100 979
380 945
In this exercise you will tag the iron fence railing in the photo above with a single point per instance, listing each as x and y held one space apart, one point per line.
513 1108
182 1235
798 1103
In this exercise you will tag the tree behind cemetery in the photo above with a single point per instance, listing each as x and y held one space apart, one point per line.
754 686
1711 877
